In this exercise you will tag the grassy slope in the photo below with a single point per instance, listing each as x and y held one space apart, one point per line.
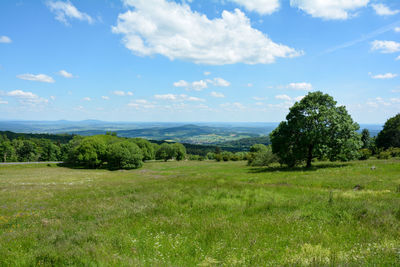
207 213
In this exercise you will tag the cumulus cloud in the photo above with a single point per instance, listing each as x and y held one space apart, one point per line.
289 99
3 102
105 97
65 74
122 93
141 104
329 9
384 76
206 73
263 7
27 97
398 58
175 31
219 82
202 84
397 29
217 94
181 97
385 47
300 86
5 39
66 10
383 10
87 99
37 78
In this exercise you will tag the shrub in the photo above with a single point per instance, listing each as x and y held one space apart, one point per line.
394 151
226 156
365 154
262 158
124 155
210 155
384 155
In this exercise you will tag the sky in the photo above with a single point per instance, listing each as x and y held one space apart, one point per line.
196 60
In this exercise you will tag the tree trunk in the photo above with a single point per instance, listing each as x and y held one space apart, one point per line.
309 156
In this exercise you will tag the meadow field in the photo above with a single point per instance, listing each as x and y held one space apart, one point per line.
201 214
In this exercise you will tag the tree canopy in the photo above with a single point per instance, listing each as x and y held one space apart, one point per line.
390 135
316 128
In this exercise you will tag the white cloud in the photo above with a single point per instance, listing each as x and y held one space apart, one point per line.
263 7
199 85
397 29
122 93
398 58
5 39
65 74
283 97
141 104
141 101
383 10
66 10
182 97
206 73
37 78
288 99
52 97
257 98
166 97
219 82
202 84
329 9
217 94
3 102
385 47
300 86
249 85
105 97
384 76
181 83
175 31
87 99
27 97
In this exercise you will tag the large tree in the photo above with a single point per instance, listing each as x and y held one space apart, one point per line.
316 128
390 135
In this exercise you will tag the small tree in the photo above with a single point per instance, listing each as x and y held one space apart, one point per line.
390 134
165 152
316 128
365 138
179 151
124 155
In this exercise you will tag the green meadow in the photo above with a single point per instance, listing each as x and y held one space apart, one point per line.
201 214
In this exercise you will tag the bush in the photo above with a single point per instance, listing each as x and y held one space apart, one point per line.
384 155
194 157
124 155
262 158
226 156
210 155
365 154
394 151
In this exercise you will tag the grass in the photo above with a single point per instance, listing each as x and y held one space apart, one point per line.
201 213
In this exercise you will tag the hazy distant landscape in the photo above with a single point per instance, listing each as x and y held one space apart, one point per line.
192 133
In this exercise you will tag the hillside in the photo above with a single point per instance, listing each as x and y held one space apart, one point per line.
201 214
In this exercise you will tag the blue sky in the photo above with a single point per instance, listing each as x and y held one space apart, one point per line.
216 60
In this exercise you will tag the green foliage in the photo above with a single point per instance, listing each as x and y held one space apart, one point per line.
210 156
394 151
89 152
390 134
384 155
124 155
226 155
316 128
258 148
261 156
365 138
146 147
165 152
365 154
179 151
